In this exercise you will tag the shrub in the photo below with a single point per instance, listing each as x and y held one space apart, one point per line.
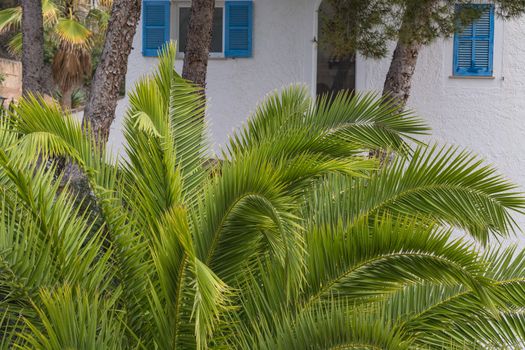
295 240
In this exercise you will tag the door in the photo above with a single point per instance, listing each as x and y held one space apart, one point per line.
334 72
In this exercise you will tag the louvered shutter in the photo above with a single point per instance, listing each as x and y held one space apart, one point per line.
238 29
473 46
155 25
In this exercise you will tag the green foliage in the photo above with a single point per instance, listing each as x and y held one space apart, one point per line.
365 27
351 26
78 98
294 240
74 35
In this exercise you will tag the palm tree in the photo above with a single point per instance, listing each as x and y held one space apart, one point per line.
65 28
295 240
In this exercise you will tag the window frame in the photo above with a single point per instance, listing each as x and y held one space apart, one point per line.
177 5
455 51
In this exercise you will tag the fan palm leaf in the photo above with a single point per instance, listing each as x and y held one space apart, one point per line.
72 33
11 18
72 58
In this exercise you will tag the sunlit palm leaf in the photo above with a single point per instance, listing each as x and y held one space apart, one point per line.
445 184
10 19
15 44
73 33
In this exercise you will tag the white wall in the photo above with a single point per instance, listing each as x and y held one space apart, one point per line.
283 35
486 116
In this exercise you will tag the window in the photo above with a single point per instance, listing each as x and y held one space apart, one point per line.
217 31
473 45
232 27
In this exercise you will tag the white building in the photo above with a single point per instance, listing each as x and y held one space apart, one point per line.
485 114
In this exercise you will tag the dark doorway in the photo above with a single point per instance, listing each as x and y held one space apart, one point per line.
334 73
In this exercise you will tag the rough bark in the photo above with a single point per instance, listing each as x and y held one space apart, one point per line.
66 99
111 71
398 81
33 49
199 40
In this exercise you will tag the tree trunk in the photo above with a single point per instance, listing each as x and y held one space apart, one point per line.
33 49
66 99
398 81
199 40
111 71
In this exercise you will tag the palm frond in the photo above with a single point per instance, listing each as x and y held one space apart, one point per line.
73 33
371 262
166 146
10 19
243 210
453 187
425 308
15 44
341 126
332 327
71 318
295 239
129 257
367 120
188 291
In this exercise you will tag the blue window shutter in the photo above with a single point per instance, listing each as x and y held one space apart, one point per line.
474 46
155 25
238 28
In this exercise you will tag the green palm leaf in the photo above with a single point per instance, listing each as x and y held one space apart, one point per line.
72 32
294 239
10 18
447 185
71 318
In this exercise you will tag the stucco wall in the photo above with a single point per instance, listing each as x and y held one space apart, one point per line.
486 116
283 35
482 115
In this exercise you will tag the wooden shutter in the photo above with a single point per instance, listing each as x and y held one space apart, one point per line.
238 29
473 46
155 25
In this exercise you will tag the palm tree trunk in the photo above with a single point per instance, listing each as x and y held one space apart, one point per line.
66 99
111 71
199 40
33 51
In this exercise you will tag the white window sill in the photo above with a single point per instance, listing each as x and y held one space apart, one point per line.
211 56
491 77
